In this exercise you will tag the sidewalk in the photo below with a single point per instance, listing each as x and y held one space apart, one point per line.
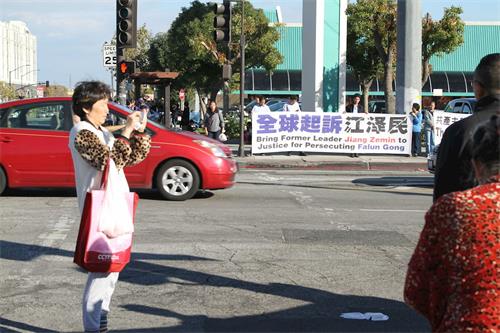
316 161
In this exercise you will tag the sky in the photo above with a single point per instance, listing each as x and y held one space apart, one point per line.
70 33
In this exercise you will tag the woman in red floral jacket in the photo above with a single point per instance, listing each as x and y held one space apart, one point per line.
453 275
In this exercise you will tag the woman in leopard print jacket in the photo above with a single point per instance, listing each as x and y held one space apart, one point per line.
91 146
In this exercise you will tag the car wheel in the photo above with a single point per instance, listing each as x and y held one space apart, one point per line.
178 180
3 180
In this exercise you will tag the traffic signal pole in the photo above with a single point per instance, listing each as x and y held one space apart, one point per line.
241 150
121 90
126 37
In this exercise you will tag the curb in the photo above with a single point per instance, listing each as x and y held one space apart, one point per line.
335 166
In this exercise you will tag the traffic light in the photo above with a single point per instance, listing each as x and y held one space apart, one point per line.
126 23
222 22
126 67
47 84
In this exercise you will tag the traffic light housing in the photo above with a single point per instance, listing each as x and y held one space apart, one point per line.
222 22
126 67
126 23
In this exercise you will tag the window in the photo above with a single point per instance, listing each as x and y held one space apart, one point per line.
457 108
47 116
117 119
467 108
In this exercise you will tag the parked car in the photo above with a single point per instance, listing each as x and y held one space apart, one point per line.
34 152
431 160
277 106
461 105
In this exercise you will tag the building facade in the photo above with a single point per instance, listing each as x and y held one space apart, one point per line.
18 54
450 77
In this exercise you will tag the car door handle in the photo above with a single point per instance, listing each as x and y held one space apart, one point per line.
6 140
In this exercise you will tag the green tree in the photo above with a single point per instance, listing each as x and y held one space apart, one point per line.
56 91
363 60
189 48
375 20
7 93
440 37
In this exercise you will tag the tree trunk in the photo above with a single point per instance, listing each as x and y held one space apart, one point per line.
426 71
390 101
365 87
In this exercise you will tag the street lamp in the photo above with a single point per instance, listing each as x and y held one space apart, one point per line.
15 69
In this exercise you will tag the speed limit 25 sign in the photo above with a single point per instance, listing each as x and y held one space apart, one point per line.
109 55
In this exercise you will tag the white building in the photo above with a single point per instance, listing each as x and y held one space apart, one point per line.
18 55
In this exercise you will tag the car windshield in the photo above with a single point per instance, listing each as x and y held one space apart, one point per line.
126 109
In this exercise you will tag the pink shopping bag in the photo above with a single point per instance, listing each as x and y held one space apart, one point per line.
95 251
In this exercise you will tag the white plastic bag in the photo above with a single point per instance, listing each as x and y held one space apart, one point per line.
116 216
223 137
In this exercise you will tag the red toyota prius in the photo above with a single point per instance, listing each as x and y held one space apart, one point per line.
34 152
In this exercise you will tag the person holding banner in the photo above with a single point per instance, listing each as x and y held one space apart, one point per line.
292 105
92 145
261 105
452 277
416 119
453 163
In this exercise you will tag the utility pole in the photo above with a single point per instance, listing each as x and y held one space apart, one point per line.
409 55
241 149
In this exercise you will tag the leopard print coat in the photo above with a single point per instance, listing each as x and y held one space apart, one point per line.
124 153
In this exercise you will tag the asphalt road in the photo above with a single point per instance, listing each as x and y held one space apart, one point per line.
281 251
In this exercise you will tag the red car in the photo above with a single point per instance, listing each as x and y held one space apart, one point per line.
34 152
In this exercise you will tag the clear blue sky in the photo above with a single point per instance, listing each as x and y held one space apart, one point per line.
70 33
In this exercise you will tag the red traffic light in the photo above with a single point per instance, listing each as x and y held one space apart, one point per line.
126 67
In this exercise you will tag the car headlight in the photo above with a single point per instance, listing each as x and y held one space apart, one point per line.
216 150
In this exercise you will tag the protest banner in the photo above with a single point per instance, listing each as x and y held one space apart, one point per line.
331 133
441 122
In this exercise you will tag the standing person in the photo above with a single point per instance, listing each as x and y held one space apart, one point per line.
292 105
416 119
214 121
356 106
174 113
261 105
185 116
91 146
452 277
429 128
453 166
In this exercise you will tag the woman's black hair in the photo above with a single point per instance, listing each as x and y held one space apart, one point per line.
486 145
86 94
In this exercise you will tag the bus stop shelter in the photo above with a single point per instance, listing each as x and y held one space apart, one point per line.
161 79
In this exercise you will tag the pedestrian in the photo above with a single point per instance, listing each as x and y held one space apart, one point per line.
416 119
91 146
214 121
356 106
174 113
429 128
453 167
185 116
261 105
292 105
452 277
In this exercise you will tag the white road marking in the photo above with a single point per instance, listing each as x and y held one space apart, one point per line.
394 210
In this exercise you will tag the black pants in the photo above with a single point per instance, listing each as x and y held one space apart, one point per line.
214 135
415 143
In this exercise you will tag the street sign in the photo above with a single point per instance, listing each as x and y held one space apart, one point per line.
109 55
39 91
182 94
